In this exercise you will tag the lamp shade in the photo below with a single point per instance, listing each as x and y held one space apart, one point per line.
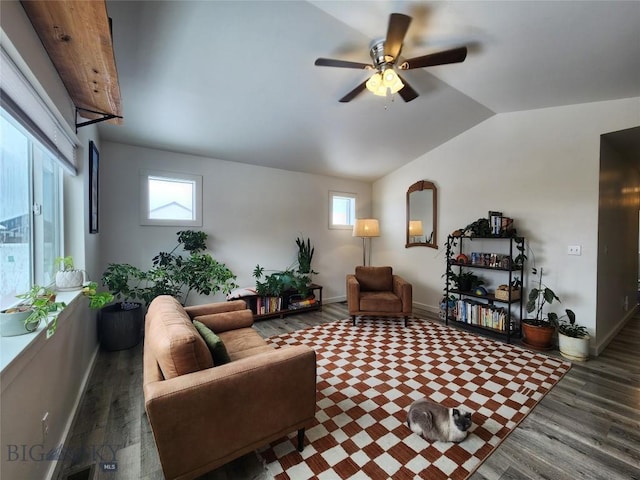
415 228
366 227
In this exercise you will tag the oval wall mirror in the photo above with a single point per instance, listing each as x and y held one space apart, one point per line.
422 217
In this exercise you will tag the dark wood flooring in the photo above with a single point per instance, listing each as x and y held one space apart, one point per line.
587 427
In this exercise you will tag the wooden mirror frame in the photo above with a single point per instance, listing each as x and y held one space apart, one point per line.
418 187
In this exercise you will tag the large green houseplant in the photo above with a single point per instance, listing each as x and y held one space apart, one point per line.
538 330
186 268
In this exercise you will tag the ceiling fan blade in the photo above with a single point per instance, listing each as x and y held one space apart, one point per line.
329 62
407 92
455 55
354 93
398 26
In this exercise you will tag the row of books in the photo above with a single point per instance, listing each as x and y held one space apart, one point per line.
266 305
482 314
307 302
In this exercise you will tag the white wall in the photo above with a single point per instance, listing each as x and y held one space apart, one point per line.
252 215
539 167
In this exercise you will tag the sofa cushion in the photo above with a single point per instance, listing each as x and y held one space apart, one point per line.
176 344
375 279
215 344
244 342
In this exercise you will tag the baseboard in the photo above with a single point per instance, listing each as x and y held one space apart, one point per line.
602 344
53 472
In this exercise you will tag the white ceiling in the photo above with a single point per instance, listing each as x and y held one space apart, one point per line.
235 80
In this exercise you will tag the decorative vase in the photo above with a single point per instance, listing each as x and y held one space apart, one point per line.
12 323
574 348
120 329
69 279
538 337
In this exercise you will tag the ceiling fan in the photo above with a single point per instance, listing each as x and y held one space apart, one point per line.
385 54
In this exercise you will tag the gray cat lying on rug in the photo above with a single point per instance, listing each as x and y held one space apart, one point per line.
435 422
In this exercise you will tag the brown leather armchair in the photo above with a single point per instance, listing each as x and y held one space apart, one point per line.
376 291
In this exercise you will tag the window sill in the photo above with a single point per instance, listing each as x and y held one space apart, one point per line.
12 348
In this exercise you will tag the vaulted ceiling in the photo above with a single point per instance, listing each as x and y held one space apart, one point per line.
236 80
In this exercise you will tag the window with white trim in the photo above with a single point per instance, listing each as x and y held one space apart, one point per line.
30 211
171 199
342 210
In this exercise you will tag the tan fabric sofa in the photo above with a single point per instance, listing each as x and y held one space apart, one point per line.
203 416
376 291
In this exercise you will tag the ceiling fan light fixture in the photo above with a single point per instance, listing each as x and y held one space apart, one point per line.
383 82
391 80
375 85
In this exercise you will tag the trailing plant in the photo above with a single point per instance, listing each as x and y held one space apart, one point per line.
41 301
186 268
539 297
96 299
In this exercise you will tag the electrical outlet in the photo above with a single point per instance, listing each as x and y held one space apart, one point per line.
45 426
574 250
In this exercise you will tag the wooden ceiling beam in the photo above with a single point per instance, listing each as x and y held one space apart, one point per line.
77 38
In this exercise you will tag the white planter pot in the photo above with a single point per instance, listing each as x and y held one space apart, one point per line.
69 279
12 324
574 348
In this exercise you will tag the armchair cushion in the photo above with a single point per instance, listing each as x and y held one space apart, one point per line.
380 302
376 279
215 344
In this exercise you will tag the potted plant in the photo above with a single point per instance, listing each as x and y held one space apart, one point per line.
68 277
538 331
172 273
305 256
573 340
466 281
37 304
296 277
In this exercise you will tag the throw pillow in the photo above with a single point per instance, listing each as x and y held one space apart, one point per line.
217 348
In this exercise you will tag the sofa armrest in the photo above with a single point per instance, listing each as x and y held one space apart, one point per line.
216 307
353 293
404 290
223 409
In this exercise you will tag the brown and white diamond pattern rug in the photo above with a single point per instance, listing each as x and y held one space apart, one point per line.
369 374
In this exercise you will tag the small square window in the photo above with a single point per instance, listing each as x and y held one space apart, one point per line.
342 210
172 199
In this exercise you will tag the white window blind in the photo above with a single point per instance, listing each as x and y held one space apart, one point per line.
36 114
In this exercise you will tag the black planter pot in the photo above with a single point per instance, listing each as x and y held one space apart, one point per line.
120 329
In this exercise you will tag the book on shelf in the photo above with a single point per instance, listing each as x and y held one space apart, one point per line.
265 305
480 314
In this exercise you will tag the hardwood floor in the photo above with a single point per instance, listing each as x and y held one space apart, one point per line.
587 427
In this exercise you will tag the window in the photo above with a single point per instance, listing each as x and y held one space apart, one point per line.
30 211
342 210
173 199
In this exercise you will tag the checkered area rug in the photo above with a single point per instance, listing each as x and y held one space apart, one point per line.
369 374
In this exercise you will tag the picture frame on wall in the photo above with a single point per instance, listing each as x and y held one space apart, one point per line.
94 170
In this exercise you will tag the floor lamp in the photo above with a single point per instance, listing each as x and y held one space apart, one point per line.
366 228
